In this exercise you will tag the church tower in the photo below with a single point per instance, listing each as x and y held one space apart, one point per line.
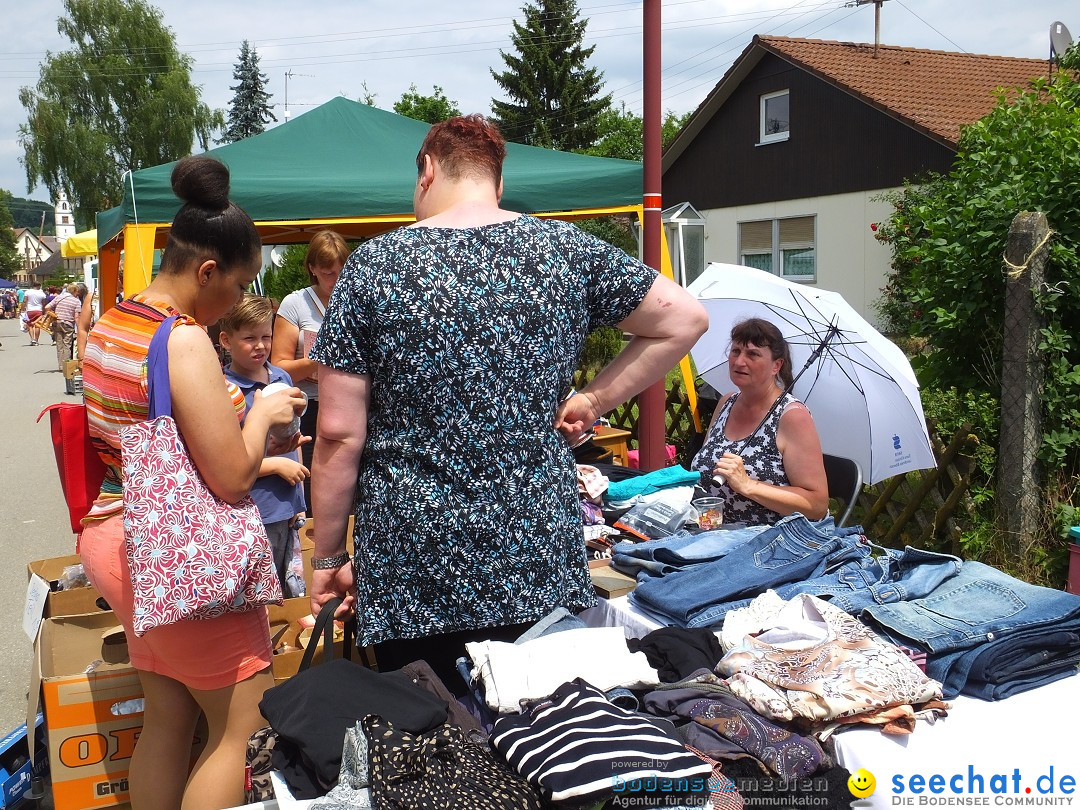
65 219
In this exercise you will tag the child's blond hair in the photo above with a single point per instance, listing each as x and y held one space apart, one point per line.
249 310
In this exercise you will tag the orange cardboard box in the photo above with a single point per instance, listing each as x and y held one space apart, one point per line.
93 717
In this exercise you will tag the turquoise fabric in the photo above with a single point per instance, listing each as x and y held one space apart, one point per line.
663 478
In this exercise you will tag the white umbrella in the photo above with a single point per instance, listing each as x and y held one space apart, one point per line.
858 385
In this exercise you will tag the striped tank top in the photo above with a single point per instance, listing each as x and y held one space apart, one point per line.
114 385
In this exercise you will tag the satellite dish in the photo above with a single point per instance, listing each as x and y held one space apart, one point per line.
277 255
1060 39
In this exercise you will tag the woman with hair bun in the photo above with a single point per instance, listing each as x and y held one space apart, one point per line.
762 454
216 667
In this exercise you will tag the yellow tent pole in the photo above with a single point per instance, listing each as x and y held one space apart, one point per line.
138 257
684 364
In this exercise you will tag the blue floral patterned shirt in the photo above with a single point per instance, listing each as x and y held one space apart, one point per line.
466 505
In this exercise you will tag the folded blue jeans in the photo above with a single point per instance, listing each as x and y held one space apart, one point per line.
681 550
859 582
978 605
791 549
984 622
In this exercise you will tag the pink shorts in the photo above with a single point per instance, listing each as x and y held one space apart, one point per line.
201 654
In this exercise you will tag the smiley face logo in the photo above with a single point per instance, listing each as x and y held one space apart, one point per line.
861 783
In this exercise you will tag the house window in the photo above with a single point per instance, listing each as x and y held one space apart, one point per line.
775 120
67 221
785 247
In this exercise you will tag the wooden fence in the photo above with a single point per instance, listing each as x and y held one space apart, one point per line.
925 509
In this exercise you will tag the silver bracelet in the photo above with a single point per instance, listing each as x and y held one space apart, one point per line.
324 563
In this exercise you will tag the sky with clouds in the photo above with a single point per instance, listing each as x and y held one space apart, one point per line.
351 48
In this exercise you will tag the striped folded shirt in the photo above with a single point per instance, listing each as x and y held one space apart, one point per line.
577 747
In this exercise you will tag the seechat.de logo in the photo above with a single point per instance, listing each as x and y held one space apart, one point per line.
862 783
896 442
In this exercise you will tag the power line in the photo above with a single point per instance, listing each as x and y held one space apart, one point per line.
928 25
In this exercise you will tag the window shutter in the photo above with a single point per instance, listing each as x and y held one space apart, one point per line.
755 235
796 231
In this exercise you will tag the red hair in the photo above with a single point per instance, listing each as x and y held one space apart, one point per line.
465 145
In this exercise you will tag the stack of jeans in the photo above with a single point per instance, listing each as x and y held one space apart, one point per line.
792 557
987 634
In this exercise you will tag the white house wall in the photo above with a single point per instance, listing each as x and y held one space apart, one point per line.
849 259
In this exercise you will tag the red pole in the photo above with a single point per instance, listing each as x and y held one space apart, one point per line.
652 401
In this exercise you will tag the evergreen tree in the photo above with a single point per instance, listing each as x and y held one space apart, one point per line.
9 256
553 95
249 112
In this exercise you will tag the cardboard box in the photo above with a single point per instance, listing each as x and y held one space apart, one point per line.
71 368
63 603
285 632
16 769
92 718
607 582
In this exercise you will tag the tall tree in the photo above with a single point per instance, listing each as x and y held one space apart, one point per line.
121 99
249 112
433 109
9 256
554 97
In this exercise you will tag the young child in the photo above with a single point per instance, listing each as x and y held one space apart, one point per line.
278 491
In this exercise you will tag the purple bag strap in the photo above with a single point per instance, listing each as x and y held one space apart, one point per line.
157 371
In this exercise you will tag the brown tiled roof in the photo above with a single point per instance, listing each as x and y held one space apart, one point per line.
936 91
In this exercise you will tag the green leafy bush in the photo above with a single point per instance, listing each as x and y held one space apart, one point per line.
946 291
948 237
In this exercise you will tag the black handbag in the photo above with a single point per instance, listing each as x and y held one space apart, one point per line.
312 711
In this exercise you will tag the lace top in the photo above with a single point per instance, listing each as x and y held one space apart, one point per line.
760 456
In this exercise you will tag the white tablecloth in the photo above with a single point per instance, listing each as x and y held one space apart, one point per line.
1028 736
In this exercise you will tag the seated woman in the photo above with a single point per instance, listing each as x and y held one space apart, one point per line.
768 458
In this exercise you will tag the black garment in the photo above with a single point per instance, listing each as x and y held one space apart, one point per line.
421 674
312 711
677 652
617 472
827 786
440 770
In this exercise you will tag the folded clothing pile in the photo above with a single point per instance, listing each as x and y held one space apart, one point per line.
514 673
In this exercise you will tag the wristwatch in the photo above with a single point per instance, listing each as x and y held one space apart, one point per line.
323 563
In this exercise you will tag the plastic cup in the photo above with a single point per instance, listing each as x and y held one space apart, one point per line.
710 512
283 433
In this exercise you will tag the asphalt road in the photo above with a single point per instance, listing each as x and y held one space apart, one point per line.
33 517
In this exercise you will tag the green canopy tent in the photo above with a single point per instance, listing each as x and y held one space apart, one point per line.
350 167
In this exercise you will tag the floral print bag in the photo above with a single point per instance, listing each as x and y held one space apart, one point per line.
191 554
